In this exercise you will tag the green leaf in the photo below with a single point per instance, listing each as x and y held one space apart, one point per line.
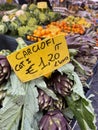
10 114
78 66
88 114
17 87
77 87
67 68
83 113
20 106
30 107
68 113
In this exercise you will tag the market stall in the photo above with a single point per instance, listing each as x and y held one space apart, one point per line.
47 68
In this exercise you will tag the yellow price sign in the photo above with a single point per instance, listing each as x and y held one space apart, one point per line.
42 5
40 58
9 1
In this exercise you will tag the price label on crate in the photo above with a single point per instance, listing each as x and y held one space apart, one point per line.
42 5
39 58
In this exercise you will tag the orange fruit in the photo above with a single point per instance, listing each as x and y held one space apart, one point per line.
43 32
40 28
35 31
38 33
47 31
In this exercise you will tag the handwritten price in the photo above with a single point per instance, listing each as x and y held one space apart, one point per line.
40 58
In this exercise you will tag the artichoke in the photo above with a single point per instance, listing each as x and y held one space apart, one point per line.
44 100
5 69
61 83
53 120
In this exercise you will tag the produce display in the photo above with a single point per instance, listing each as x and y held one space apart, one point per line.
84 52
26 19
69 25
52 101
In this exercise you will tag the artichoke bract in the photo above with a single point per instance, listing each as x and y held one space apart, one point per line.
5 69
53 120
44 100
61 83
60 103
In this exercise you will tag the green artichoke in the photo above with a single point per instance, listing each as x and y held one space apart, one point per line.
61 83
53 120
5 69
43 18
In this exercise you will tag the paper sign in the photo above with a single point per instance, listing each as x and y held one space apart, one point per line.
39 58
9 1
42 5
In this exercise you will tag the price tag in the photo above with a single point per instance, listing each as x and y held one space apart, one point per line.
39 58
9 1
42 5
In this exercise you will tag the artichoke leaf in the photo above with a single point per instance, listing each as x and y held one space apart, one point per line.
17 87
29 122
67 68
10 114
83 113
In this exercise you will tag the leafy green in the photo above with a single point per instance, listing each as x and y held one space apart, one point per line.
20 106
30 107
40 83
67 68
78 66
17 87
83 114
68 113
77 87
10 114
